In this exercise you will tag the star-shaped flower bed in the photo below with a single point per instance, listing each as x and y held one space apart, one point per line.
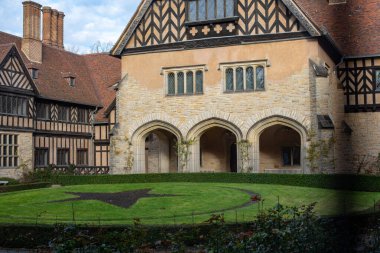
120 199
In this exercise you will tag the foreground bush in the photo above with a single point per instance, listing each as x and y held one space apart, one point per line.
280 230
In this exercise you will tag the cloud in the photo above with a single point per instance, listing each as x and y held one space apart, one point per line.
86 21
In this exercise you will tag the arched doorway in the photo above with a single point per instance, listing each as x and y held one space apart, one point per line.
278 145
160 153
280 149
217 151
154 148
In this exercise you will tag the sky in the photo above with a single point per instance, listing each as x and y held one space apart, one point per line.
86 21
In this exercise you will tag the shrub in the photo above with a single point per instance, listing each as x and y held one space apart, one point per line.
280 229
11 181
22 187
344 182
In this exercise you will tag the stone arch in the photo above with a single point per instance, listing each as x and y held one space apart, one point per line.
276 112
159 118
259 127
139 136
195 133
217 115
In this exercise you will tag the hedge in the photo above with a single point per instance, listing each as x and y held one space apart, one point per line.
11 181
21 187
343 182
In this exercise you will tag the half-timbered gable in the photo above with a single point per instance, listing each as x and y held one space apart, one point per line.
13 72
360 78
17 91
160 22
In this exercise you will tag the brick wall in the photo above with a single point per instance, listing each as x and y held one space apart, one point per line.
354 25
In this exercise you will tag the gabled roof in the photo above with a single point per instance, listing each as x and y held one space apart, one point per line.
144 5
89 88
7 51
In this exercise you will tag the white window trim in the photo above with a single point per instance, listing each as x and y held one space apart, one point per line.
254 64
166 71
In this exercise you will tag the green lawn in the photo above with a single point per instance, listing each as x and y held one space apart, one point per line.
194 202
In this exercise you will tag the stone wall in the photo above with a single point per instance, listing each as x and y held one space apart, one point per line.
141 98
26 156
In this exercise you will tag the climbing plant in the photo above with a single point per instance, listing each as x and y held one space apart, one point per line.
318 150
244 146
182 148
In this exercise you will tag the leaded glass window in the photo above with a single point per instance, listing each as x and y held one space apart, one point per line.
200 10
239 79
8 150
199 81
260 83
229 79
63 156
41 157
249 78
229 10
181 83
220 8
378 80
210 9
13 105
171 84
192 10
189 82
63 113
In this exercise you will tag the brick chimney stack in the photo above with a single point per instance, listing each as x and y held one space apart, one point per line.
53 27
61 16
31 42
46 29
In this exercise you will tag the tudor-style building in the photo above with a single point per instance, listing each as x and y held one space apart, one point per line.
56 107
288 77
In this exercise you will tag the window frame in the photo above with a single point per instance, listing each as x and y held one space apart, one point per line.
78 162
208 20
68 156
68 118
46 110
12 101
185 70
37 158
377 80
86 115
5 146
223 67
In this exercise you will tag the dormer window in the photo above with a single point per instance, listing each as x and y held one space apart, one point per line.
202 10
70 81
70 78
34 73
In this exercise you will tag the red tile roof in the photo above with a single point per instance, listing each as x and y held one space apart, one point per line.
4 49
93 74
105 72
354 26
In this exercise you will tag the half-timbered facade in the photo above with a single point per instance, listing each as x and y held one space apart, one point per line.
52 102
246 85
